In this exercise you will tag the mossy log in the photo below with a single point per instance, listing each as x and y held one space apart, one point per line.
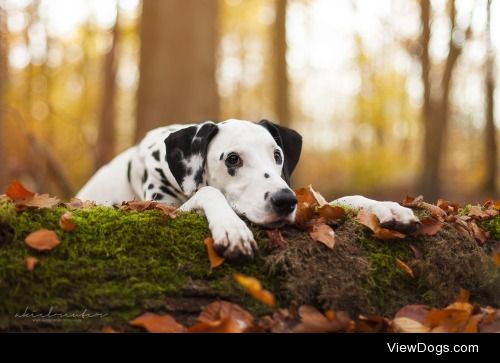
118 264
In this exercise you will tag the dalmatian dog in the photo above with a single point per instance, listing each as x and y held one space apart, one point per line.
226 170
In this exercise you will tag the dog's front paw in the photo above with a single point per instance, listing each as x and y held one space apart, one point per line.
393 216
232 238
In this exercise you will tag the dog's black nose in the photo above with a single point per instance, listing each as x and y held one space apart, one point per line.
283 202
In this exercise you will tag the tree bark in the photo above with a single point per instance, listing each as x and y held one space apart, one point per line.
3 88
105 147
491 148
282 93
178 63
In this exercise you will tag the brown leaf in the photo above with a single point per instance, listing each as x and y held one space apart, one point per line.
167 210
447 206
479 234
324 234
223 317
213 257
415 312
108 329
495 250
317 196
66 222
491 322
42 240
492 204
16 190
429 227
312 321
407 325
447 320
305 206
477 213
371 221
154 323
434 210
405 268
76 203
416 252
276 238
411 202
30 262
254 288
141 206
373 324
331 213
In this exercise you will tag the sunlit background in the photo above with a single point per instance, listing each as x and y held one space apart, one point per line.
349 75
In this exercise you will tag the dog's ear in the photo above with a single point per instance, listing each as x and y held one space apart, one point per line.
290 142
186 155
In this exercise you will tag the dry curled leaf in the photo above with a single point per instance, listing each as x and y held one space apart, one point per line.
154 323
141 206
405 268
276 238
76 203
371 221
42 240
30 262
16 190
24 199
448 206
477 213
434 210
429 227
492 204
478 233
312 321
254 288
320 200
411 202
223 317
305 206
213 257
323 233
331 213
66 222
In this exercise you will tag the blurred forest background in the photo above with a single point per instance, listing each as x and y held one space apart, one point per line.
393 97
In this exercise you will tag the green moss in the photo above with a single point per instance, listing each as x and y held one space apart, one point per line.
492 226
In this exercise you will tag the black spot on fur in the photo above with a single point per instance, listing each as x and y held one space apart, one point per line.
156 155
189 171
162 174
129 168
266 195
166 190
231 171
150 186
266 175
221 156
145 177
157 196
198 178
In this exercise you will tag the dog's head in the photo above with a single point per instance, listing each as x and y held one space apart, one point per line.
250 163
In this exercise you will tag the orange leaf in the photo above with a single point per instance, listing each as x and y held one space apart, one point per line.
331 213
312 321
463 296
154 323
276 238
66 222
411 202
447 320
223 317
404 267
496 259
108 329
30 262
434 210
42 240
429 227
324 234
254 288
371 221
213 257
305 206
16 190
447 206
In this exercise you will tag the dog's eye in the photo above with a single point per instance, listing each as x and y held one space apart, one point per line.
277 157
233 160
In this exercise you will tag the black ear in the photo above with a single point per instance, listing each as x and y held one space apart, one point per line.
290 141
186 155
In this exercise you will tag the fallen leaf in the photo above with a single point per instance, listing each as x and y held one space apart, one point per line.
324 234
371 221
405 268
141 206
76 203
447 320
414 312
490 323
479 234
492 204
154 323
42 240
30 262
407 325
276 238
477 212
331 213
317 196
312 321
411 202
416 252
434 210
373 324
463 296
472 324
447 206
167 210
305 206
330 314
254 288
213 257
495 251
429 227
66 222
108 329
16 190
223 317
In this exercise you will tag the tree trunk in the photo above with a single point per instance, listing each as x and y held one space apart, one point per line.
178 63
105 147
3 88
282 100
491 153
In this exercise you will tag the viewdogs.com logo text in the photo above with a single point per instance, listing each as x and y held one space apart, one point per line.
52 315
